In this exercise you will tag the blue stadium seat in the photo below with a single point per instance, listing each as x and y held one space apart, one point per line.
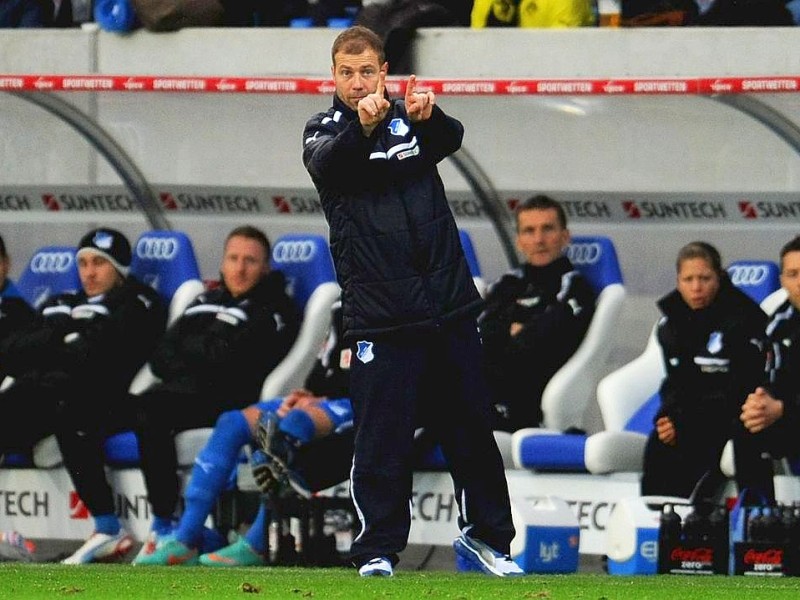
469 253
756 278
305 260
166 261
570 390
51 270
472 261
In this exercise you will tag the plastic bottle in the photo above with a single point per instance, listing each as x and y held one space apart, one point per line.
754 528
771 526
718 526
695 527
669 532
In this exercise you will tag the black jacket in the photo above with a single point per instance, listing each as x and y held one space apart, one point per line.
95 344
15 313
555 305
783 350
714 357
224 346
394 241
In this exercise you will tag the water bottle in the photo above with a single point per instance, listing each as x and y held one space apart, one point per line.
669 535
771 526
718 526
695 527
754 528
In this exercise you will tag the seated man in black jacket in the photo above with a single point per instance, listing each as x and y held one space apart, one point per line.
772 411
535 317
304 423
15 312
72 369
213 359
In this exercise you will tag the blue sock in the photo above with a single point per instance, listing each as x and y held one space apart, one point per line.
270 405
255 536
297 424
108 524
162 525
340 412
211 470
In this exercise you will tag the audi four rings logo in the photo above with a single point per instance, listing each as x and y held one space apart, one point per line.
297 251
51 262
748 274
157 248
584 254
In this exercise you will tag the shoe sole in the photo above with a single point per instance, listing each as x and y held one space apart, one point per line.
120 550
474 558
216 562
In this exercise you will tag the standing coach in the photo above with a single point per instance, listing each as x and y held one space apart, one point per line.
409 308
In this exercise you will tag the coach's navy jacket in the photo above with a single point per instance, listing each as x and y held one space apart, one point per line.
393 238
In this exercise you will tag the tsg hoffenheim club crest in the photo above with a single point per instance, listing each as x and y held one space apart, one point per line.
714 342
398 127
364 351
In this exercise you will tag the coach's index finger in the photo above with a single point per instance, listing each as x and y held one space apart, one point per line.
381 83
411 87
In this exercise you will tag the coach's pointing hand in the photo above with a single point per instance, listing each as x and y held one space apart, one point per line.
419 105
373 107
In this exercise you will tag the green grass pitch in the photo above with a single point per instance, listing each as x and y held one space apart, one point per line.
52 581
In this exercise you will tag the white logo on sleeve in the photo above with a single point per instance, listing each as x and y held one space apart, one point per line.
364 351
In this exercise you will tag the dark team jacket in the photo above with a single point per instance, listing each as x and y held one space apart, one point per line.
224 347
15 313
555 305
97 343
394 241
783 351
330 376
714 357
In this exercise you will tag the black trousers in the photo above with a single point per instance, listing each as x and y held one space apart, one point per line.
30 413
82 431
81 417
676 470
433 380
163 413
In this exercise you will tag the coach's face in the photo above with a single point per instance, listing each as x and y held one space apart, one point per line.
356 75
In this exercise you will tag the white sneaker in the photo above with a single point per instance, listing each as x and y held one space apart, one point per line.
485 558
101 547
377 567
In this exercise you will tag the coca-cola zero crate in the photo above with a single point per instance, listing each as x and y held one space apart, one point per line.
763 558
